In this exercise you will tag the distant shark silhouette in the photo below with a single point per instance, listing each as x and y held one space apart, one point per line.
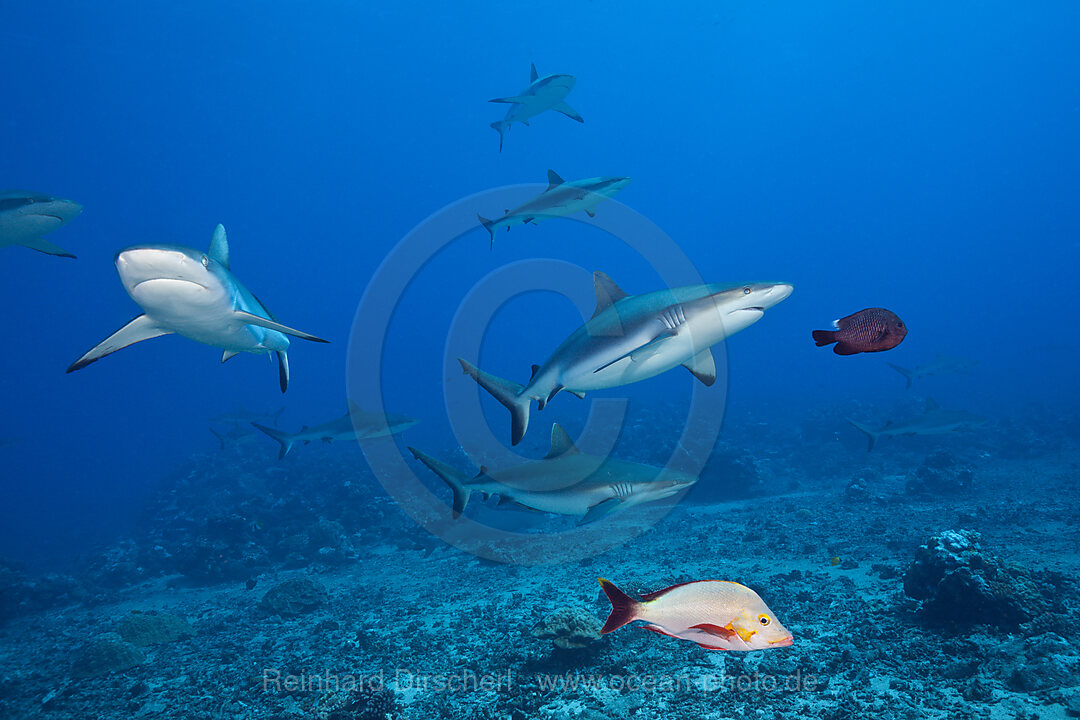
565 482
26 216
934 421
559 200
941 365
542 94
356 424
194 294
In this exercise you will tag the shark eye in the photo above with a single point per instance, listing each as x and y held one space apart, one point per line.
746 291
763 619
205 261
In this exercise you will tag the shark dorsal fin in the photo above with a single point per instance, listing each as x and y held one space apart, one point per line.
561 444
607 292
532 73
931 405
554 180
219 246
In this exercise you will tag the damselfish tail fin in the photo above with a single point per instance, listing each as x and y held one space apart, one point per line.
489 225
871 435
909 375
824 337
500 127
285 439
507 392
624 609
451 476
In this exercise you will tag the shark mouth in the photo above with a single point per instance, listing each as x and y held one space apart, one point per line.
754 307
175 280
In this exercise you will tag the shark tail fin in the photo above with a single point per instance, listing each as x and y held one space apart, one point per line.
870 434
507 392
824 337
909 375
285 439
489 225
452 477
277 415
624 609
500 127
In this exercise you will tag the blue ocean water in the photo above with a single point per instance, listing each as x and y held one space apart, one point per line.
915 156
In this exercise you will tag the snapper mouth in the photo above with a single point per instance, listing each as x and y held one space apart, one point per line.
783 642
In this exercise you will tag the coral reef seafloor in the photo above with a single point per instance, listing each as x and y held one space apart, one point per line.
917 580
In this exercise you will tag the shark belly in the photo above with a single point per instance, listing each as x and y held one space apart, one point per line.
19 229
198 313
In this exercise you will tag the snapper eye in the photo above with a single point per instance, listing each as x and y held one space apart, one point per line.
764 620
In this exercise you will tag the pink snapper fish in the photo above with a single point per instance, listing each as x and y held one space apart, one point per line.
715 614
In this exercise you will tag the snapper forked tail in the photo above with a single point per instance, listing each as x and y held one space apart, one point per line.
624 609
509 393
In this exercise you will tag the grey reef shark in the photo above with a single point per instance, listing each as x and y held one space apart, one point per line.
934 421
542 94
26 216
194 294
634 337
940 365
565 482
559 200
355 424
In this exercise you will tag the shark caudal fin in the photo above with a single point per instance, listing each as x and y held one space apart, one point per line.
452 477
871 435
489 225
909 375
507 392
284 439
624 609
500 127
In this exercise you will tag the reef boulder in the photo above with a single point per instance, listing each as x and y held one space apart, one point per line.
294 597
143 629
960 585
569 628
105 654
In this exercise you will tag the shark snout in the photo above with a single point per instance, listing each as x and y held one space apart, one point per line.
137 265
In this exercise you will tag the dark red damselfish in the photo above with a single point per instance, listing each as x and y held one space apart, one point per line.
869 330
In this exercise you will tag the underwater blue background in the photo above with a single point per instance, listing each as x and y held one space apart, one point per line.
915 156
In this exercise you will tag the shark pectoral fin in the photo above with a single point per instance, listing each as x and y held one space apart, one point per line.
141 328
512 99
591 212
641 353
703 367
250 319
568 111
44 246
229 354
577 393
599 510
